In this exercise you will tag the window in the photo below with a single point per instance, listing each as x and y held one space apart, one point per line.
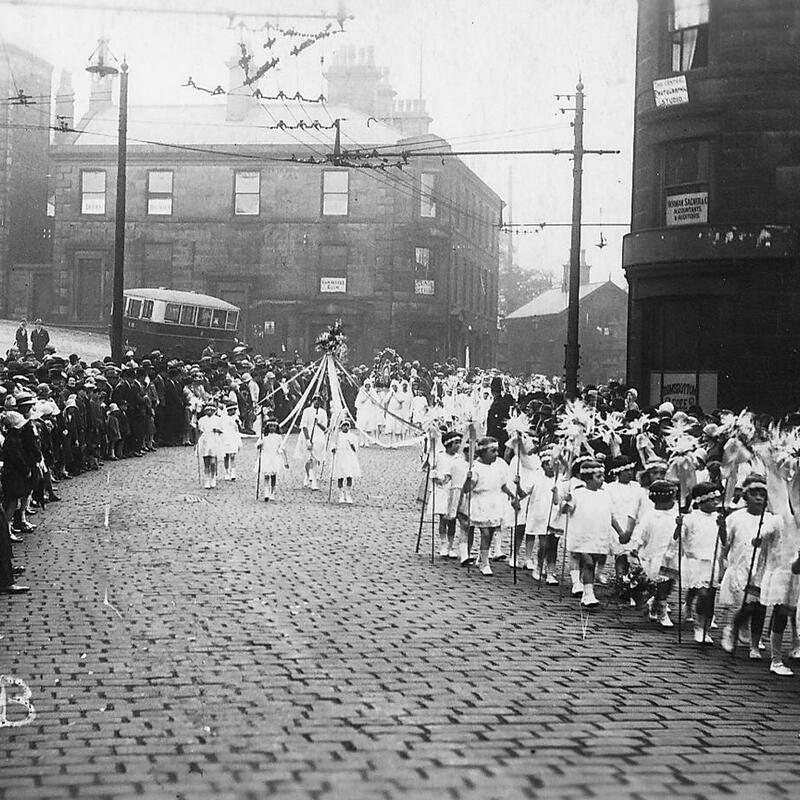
689 27
93 192
218 318
247 194
204 317
147 309
134 307
172 313
335 193
423 271
232 320
188 315
159 193
427 184
685 178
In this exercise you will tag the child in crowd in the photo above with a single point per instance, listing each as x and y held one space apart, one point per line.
654 546
545 520
439 493
700 571
747 529
209 445
231 438
272 455
345 460
591 521
488 480
113 433
523 469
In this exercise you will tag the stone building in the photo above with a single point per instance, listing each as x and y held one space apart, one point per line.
406 256
25 230
535 335
712 259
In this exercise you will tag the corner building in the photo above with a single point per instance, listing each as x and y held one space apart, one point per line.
407 257
712 257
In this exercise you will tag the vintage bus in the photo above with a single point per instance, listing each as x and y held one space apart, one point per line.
178 322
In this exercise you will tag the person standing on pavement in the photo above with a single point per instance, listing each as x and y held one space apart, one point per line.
311 442
40 338
499 413
21 338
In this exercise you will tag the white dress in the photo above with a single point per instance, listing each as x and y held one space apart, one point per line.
700 531
345 460
438 500
589 530
627 504
542 506
210 441
394 413
231 438
489 502
272 454
529 470
311 420
655 543
779 586
742 527
366 411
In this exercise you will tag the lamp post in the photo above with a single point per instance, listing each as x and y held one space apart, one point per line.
101 68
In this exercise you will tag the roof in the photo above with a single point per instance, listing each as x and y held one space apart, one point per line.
206 124
555 301
186 298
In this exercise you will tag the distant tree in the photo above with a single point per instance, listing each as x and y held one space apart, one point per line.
519 286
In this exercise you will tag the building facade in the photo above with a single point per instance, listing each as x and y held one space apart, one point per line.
25 227
712 259
406 256
535 335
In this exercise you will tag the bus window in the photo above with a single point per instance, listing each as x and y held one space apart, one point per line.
134 307
172 313
232 320
203 317
218 320
188 315
147 309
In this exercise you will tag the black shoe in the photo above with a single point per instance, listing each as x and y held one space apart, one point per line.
26 527
13 537
31 512
499 558
54 498
18 570
14 588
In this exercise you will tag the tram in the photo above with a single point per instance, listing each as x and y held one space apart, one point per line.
178 322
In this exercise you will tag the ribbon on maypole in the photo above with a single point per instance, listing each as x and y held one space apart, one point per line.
740 431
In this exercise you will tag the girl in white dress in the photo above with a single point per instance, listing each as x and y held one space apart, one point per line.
272 455
311 441
366 413
209 445
490 486
438 499
394 413
344 448
231 439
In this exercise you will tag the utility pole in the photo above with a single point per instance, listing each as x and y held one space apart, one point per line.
118 300
572 355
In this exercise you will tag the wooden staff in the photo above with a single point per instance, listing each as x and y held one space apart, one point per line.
747 583
564 550
679 535
424 500
516 507
258 477
711 589
433 500
473 435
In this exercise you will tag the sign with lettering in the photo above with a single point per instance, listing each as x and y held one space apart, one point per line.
684 389
424 287
670 91
269 327
333 285
687 209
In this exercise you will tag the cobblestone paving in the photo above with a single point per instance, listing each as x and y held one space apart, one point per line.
204 645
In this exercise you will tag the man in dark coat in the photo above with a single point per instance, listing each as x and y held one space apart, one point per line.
499 413
40 338
21 338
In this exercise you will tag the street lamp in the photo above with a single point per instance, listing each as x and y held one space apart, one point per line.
102 68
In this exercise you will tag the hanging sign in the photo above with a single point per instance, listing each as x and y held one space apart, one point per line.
424 287
670 91
687 209
333 285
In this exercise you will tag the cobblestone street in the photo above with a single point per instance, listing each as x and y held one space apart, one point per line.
204 645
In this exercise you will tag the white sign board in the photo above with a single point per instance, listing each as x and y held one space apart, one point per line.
424 287
333 285
682 390
269 327
687 209
670 91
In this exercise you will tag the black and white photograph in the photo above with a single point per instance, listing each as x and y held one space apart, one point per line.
399 399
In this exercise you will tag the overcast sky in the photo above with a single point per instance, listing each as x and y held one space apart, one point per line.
490 71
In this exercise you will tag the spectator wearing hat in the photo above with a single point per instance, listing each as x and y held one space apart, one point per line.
40 338
113 433
208 350
21 338
499 413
